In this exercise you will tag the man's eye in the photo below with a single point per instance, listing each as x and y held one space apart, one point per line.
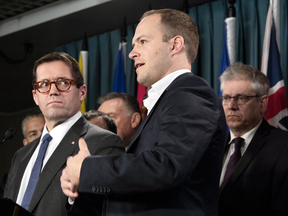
43 85
63 82
240 98
143 41
226 98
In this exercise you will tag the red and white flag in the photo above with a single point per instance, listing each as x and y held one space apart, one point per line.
277 113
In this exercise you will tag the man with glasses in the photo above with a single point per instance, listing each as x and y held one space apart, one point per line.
34 177
254 178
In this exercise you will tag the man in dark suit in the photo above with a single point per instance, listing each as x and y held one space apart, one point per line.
58 91
173 161
258 183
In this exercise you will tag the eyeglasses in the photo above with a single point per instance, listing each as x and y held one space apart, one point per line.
238 99
61 84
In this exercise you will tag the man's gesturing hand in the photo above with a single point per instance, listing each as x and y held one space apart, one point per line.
71 174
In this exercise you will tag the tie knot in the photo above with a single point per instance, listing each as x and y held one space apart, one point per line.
238 141
47 137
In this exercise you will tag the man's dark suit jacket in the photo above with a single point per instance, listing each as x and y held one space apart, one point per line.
173 163
48 198
259 183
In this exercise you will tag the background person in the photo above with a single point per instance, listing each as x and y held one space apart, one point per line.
125 111
101 119
258 183
32 126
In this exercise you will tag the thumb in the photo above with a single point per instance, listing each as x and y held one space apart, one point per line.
83 146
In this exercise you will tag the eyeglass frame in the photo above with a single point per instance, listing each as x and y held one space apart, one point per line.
71 82
236 98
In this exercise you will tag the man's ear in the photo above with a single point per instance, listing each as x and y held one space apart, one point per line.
263 104
177 44
35 97
83 91
25 142
135 120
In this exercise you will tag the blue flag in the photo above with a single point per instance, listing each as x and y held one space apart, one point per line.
119 84
224 57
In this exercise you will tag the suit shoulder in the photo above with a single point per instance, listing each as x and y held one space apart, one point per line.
278 133
101 141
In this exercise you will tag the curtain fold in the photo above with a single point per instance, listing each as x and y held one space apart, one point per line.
209 17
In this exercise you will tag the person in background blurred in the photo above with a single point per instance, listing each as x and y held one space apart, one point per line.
32 126
125 111
101 119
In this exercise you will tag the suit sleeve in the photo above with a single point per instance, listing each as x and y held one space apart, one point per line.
172 144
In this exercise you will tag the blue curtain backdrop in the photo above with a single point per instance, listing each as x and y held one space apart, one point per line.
250 26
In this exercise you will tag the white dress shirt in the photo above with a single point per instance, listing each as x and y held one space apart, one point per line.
247 139
57 135
159 87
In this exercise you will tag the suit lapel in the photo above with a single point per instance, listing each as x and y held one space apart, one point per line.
57 161
254 147
144 122
23 165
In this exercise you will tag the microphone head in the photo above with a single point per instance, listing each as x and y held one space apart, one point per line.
10 133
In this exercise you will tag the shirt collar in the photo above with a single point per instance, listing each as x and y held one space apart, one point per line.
159 87
60 130
247 136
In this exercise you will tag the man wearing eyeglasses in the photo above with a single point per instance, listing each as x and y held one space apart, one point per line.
254 178
34 177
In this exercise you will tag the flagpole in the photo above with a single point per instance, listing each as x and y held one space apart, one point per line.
83 65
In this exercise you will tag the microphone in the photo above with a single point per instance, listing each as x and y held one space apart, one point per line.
9 134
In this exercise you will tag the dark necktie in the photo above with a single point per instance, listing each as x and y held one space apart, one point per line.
35 172
234 158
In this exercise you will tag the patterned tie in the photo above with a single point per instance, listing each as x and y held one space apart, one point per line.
235 157
35 172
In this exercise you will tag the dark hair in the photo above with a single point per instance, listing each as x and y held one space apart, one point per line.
131 103
28 117
71 63
108 119
175 23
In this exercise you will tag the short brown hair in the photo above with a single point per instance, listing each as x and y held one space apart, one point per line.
175 23
71 63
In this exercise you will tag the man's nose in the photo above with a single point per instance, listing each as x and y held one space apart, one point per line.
232 104
53 89
133 54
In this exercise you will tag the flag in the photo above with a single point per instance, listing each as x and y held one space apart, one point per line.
83 64
228 50
277 113
119 84
141 95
